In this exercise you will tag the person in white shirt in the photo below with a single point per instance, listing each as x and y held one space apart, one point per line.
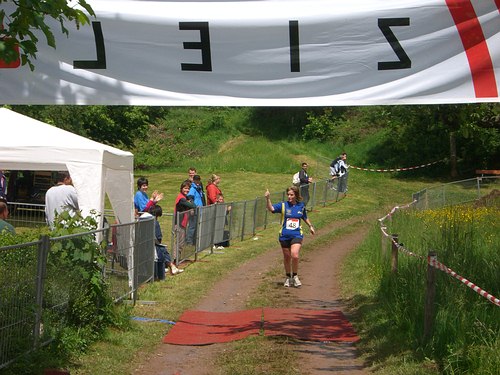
61 197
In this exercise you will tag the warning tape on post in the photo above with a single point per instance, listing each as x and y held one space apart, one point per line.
396 169
432 261
440 266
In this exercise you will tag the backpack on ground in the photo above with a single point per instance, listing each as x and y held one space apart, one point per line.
296 179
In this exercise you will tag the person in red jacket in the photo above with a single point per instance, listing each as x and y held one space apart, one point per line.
213 189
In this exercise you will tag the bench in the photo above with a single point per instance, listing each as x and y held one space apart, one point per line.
482 172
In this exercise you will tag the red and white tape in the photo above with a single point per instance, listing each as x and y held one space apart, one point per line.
432 261
440 266
399 246
394 209
395 169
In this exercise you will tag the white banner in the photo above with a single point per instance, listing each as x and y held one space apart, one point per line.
268 53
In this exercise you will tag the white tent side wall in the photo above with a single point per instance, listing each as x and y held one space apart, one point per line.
119 193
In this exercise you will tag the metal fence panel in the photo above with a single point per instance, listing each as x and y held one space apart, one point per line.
26 214
144 252
118 252
18 291
455 192
206 225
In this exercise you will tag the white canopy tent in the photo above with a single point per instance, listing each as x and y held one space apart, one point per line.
96 169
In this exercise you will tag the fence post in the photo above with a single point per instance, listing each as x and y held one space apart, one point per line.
254 216
265 215
43 251
325 192
383 243
135 260
214 215
394 254
243 221
313 196
430 294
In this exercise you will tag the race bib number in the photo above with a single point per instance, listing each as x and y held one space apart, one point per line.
292 224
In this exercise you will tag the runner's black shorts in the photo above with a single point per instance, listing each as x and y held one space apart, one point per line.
288 243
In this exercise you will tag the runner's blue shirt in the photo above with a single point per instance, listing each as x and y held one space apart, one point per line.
291 227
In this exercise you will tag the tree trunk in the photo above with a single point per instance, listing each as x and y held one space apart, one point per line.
453 155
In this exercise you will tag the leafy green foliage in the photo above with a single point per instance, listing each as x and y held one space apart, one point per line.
415 135
82 258
18 27
113 125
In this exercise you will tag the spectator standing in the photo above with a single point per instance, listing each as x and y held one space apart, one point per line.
197 195
226 234
338 169
196 192
142 203
3 185
191 173
305 180
290 238
182 205
59 198
4 213
213 189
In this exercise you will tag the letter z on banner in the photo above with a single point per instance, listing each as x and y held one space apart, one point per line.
266 53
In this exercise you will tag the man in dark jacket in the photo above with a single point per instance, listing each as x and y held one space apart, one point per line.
305 180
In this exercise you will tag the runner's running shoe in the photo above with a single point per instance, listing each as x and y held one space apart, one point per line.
288 282
296 282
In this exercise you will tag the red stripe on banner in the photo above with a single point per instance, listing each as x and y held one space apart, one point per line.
476 49
497 2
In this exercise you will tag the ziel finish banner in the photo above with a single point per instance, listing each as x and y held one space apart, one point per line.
268 53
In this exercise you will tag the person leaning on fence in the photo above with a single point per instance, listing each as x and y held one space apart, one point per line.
163 260
290 236
197 195
4 213
182 205
226 234
338 167
213 189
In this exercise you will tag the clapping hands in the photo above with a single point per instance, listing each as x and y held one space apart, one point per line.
156 196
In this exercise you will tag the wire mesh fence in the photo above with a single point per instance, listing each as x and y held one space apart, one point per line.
37 282
455 192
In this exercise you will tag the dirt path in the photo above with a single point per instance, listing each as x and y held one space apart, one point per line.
319 270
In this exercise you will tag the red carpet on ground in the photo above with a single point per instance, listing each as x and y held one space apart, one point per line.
308 325
204 327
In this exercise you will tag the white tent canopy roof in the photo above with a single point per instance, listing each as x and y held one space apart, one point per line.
96 169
